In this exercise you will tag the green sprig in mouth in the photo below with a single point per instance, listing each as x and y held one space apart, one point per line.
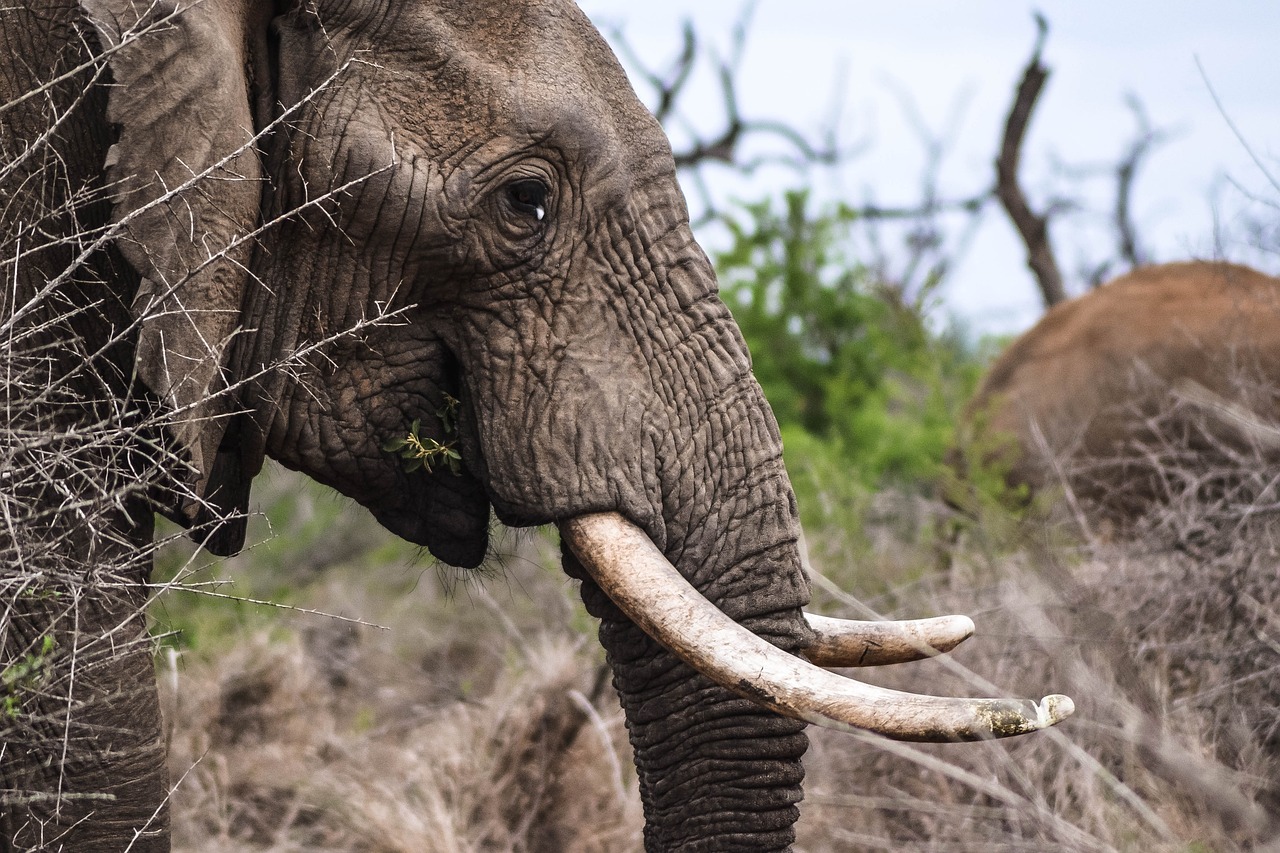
424 452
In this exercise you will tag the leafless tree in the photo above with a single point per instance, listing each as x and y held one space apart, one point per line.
912 246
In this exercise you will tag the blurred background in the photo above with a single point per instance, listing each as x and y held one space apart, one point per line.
913 98
333 689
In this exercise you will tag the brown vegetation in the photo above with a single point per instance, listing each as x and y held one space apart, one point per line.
479 720
459 724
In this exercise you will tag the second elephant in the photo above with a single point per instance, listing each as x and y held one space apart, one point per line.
1129 395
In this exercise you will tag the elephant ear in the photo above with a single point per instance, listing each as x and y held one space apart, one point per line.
186 183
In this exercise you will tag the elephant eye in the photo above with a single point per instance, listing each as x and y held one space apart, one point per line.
529 196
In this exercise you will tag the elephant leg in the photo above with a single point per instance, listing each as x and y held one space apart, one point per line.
82 756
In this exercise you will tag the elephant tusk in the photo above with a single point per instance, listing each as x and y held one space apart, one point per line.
649 590
848 642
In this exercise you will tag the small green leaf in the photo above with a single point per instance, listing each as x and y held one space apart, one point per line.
423 452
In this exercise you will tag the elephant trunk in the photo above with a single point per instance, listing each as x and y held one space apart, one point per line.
716 771
702 621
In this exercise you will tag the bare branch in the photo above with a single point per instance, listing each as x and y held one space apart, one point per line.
1032 227
798 149
1147 139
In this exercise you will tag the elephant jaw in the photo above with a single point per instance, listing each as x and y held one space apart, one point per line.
651 592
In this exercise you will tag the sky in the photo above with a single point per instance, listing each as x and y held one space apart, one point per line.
957 65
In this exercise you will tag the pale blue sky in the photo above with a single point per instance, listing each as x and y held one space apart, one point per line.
945 54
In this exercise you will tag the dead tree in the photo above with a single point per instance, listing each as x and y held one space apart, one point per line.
1032 227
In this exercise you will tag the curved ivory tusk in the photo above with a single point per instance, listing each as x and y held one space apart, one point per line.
849 642
649 590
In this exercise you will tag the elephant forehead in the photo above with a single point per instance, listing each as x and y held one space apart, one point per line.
457 72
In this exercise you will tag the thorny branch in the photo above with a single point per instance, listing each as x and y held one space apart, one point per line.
65 484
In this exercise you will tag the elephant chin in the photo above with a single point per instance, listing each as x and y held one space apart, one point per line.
451 521
463 553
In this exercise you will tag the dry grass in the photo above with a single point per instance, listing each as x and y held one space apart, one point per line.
463 727
281 758
1166 633
1172 748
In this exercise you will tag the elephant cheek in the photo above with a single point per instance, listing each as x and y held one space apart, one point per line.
337 425
579 438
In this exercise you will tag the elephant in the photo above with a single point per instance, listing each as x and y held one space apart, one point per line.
433 255
1108 393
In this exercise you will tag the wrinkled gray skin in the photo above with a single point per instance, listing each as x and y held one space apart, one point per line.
597 369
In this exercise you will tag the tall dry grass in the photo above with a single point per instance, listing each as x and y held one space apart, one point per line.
1172 661
475 716
279 756
481 718
1166 631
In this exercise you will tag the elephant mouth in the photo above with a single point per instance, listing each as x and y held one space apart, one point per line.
438 501
635 574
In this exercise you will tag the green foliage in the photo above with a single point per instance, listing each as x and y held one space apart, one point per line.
977 481
419 452
841 354
22 676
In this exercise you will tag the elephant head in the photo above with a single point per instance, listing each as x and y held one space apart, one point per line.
449 224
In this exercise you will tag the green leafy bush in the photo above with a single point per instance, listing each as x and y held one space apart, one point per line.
845 356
